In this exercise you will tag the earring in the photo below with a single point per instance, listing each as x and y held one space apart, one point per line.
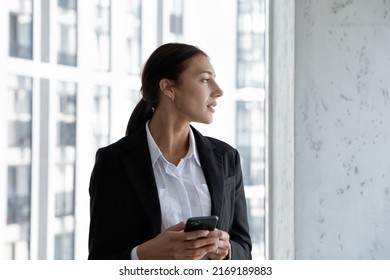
172 97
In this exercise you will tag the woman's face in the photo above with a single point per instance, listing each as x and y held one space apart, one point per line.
196 92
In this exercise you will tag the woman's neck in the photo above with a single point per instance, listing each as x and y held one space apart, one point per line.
171 136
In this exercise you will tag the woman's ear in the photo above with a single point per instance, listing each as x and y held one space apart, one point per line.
166 88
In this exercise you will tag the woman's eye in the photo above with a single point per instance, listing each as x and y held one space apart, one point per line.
205 80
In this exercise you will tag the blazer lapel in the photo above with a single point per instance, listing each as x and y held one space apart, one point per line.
212 165
140 172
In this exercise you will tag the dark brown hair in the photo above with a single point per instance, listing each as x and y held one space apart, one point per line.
166 62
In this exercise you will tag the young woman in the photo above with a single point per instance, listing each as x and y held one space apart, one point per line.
145 186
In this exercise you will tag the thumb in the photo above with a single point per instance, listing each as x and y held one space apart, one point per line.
177 227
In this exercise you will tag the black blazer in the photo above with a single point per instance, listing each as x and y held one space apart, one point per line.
124 203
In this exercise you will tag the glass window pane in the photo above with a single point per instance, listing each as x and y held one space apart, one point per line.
250 142
101 122
19 184
250 114
133 37
19 134
67 32
18 174
102 35
20 29
65 170
250 43
64 246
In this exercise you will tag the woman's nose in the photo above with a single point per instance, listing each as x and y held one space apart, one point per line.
218 92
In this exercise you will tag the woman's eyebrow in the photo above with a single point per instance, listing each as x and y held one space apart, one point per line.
207 72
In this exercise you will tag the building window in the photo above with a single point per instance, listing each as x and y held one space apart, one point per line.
65 169
250 43
102 50
101 120
255 198
250 113
133 36
172 20
19 113
66 130
20 28
64 244
65 190
176 18
19 117
19 141
19 133
67 32
19 194
250 139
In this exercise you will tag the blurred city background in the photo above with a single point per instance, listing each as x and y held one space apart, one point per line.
69 79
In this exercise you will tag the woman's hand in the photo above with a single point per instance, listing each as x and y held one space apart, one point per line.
174 243
223 245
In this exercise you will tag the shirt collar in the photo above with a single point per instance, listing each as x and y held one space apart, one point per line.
155 152
192 151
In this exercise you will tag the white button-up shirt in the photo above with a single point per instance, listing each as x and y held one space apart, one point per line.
182 189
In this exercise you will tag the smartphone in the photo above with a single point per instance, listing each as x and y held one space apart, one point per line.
198 223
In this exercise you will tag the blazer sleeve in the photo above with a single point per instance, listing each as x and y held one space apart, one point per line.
240 240
105 240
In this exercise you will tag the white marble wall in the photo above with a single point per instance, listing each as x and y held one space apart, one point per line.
342 129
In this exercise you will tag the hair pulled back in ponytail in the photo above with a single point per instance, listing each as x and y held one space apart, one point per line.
166 62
